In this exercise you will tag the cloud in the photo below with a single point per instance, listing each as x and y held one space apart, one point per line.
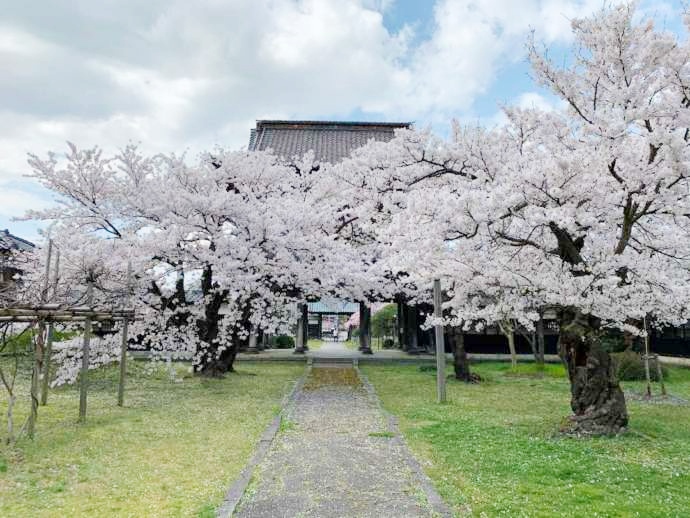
527 100
539 101
174 74
15 201
469 43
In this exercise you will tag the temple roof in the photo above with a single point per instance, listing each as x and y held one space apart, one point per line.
331 141
12 242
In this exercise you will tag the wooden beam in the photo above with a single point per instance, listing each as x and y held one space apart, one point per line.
123 344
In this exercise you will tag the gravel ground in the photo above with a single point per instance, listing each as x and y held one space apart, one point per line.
334 457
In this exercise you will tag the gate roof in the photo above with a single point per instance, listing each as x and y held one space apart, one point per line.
331 141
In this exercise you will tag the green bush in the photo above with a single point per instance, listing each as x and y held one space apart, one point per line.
630 367
612 341
284 342
22 343
383 321
388 343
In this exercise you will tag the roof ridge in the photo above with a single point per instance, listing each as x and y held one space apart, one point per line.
284 122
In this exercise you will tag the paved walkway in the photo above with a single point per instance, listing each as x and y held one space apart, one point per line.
336 457
335 349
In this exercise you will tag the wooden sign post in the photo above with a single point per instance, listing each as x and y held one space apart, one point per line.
440 345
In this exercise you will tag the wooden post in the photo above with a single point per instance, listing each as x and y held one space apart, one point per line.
49 341
39 351
252 346
84 375
646 359
337 328
305 323
123 344
660 373
440 346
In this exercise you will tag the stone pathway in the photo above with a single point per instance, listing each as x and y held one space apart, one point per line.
337 349
336 457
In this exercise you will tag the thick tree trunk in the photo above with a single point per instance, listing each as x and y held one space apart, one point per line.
216 362
412 328
216 365
597 400
461 364
365 328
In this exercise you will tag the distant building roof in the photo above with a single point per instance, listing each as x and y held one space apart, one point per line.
336 306
12 242
331 141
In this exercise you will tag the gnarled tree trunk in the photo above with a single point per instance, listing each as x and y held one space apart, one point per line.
597 400
216 362
461 363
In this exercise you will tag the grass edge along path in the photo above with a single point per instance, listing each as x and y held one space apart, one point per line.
494 450
172 451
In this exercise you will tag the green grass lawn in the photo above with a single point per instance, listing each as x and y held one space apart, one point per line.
494 450
172 451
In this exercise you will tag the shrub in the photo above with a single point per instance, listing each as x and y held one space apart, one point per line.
284 342
614 342
630 367
388 343
383 321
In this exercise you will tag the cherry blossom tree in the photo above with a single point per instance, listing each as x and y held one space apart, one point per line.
216 244
584 210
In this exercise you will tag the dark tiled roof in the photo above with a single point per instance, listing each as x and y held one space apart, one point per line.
331 141
10 242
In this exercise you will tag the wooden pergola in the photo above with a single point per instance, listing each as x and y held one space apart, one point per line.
56 313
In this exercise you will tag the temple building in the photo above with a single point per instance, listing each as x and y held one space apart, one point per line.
8 244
